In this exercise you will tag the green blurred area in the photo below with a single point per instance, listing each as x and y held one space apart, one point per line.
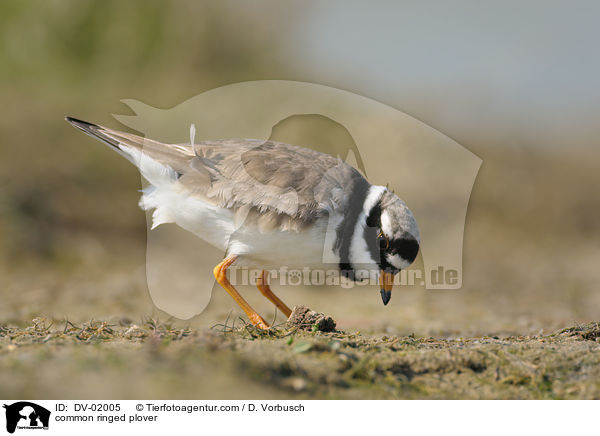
80 58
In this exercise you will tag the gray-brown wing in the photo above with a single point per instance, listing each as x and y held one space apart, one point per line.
279 185
271 178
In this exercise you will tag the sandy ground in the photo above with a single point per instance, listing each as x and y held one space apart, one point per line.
155 360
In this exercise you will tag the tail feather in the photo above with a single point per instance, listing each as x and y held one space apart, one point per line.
159 163
117 139
93 130
103 134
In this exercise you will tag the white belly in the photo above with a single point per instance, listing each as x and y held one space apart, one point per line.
279 248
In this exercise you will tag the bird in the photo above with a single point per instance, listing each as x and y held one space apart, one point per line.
270 204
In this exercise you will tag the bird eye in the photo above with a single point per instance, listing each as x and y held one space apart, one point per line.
384 243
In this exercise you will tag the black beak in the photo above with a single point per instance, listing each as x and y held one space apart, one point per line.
385 296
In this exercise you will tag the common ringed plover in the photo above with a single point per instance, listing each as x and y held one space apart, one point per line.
270 204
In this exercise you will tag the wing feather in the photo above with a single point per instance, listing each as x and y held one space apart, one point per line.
273 183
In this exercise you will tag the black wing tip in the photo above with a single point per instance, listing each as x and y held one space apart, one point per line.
83 125
93 130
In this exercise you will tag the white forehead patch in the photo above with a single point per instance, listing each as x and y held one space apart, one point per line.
386 224
396 261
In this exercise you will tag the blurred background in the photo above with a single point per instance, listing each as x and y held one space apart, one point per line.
518 84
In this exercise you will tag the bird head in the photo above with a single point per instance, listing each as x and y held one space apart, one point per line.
392 236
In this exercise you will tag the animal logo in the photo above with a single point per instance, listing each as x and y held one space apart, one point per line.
26 415
433 173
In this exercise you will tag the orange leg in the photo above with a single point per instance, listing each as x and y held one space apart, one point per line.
263 286
220 273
